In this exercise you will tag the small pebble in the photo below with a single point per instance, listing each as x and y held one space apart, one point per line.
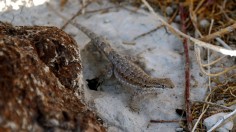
54 122
169 10
177 18
179 129
204 23
107 21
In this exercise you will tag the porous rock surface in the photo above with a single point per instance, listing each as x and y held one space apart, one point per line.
41 85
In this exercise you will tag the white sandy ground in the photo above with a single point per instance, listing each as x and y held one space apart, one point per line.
160 54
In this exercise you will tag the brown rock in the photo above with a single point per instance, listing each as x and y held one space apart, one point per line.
41 81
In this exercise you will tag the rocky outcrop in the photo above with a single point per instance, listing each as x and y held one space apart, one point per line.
41 85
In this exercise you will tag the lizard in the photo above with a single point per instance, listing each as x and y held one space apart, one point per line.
125 71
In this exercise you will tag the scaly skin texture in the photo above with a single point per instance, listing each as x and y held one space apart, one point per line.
125 71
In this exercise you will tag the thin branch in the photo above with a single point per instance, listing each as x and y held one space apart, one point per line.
223 43
199 118
208 56
80 12
74 16
219 33
83 4
187 71
213 62
153 30
166 121
204 109
146 33
193 18
196 41
232 94
214 104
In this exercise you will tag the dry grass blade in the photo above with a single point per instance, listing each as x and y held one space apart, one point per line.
196 41
221 32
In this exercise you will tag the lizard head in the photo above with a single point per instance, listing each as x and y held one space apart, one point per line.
163 83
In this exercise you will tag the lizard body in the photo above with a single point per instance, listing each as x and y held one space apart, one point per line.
125 70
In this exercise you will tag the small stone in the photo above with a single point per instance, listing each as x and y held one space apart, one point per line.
54 122
211 121
179 129
220 102
107 21
204 23
177 18
169 10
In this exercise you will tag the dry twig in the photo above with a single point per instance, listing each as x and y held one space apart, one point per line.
187 71
219 33
196 41
214 104
153 30
166 121
204 110
78 13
